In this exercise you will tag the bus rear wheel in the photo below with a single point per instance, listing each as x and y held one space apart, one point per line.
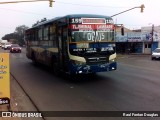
34 59
55 69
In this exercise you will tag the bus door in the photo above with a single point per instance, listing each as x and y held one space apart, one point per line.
62 45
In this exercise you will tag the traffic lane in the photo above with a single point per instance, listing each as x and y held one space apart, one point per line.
129 88
124 89
140 60
54 93
68 104
138 88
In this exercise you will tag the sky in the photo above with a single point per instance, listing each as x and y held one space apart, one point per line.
16 14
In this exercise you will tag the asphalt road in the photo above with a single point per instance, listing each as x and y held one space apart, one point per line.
133 87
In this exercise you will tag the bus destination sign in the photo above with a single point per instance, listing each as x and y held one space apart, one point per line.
91 27
93 21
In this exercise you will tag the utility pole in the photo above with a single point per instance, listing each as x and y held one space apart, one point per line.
152 37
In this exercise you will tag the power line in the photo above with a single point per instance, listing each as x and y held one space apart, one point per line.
88 5
9 2
22 11
46 0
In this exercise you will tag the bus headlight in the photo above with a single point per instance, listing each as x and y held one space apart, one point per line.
112 60
75 62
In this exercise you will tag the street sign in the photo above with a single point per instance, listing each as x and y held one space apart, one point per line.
4 79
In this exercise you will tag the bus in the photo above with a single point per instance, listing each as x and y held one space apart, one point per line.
73 44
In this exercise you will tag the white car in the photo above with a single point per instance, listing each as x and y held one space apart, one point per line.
7 46
156 54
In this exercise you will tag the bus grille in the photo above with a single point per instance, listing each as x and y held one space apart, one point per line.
95 60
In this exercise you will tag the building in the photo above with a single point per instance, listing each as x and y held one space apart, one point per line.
151 37
138 41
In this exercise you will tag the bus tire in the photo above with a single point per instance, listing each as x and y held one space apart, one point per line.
34 58
55 69
54 66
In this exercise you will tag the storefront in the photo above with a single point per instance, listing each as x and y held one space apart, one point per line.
131 42
138 42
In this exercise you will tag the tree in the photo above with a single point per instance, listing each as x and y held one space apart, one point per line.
21 29
20 32
10 36
17 35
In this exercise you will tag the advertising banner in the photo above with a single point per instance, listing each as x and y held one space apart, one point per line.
4 78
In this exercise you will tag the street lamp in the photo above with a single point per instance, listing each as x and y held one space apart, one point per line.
142 8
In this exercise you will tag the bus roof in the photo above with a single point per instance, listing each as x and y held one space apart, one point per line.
73 16
86 16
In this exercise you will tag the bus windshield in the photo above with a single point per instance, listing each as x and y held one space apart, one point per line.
92 32
92 36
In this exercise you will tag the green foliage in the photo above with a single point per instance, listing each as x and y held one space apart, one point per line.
17 35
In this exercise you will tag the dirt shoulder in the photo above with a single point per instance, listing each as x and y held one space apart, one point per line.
19 101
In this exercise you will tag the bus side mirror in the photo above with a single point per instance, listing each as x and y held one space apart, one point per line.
122 31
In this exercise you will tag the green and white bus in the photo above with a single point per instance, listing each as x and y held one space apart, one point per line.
74 44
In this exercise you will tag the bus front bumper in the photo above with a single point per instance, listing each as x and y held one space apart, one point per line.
84 69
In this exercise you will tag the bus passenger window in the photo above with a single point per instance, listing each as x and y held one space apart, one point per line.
46 33
40 34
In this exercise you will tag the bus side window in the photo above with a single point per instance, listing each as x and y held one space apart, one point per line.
46 33
40 34
52 35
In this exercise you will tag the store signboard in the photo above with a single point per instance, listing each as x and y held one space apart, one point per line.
134 37
4 79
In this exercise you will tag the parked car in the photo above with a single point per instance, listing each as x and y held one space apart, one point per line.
15 48
156 54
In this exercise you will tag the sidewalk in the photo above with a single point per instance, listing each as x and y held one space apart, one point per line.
14 103
19 102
